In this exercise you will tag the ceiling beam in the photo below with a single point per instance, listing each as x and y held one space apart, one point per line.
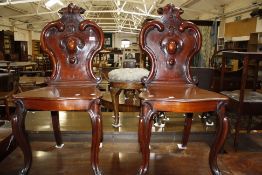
91 11
17 2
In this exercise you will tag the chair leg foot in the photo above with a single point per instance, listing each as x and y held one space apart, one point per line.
180 146
60 146
116 125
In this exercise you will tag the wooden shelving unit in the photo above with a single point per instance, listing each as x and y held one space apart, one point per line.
236 45
255 42
220 44
36 49
7 43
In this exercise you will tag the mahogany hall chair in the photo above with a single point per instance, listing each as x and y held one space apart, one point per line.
71 43
171 43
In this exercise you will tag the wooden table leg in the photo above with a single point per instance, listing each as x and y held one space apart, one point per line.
144 135
95 115
18 127
56 129
221 134
241 101
115 92
187 129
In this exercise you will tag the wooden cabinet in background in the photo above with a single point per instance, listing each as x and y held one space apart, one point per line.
237 45
21 50
6 43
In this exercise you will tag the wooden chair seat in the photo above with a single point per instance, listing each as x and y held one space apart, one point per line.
180 94
77 97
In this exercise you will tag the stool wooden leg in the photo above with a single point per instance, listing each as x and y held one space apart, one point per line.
115 92
187 129
18 128
221 134
144 135
56 129
96 120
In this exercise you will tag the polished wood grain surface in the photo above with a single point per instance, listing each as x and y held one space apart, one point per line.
71 43
180 93
61 93
171 43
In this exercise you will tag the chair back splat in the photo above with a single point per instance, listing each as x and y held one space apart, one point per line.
179 41
71 43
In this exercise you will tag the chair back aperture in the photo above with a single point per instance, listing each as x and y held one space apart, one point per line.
170 43
71 43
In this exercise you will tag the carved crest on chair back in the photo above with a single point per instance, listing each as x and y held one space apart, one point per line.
71 43
170 43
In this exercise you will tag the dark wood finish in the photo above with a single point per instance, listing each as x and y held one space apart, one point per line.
7 43
187 127
71 43
21 49
240 106
56 128
171 43
7 146
7 88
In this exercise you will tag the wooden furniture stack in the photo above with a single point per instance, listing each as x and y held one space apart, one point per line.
245 101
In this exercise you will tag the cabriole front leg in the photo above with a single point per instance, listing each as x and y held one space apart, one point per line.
95 115
144 135
18 127
221 134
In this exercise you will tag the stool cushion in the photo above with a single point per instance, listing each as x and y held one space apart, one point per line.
127 74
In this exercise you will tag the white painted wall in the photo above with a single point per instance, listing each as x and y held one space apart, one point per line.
259 25
5 24
36 35
21 34
118 37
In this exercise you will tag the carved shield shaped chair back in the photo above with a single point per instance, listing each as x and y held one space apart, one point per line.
171 43
71 43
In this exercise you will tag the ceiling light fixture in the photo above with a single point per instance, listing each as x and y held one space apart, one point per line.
50 3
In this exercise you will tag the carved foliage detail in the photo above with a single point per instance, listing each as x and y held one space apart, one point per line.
171 43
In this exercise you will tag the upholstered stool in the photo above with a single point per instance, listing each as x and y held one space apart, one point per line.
124 79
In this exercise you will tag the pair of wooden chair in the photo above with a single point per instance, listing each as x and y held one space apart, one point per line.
71 42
